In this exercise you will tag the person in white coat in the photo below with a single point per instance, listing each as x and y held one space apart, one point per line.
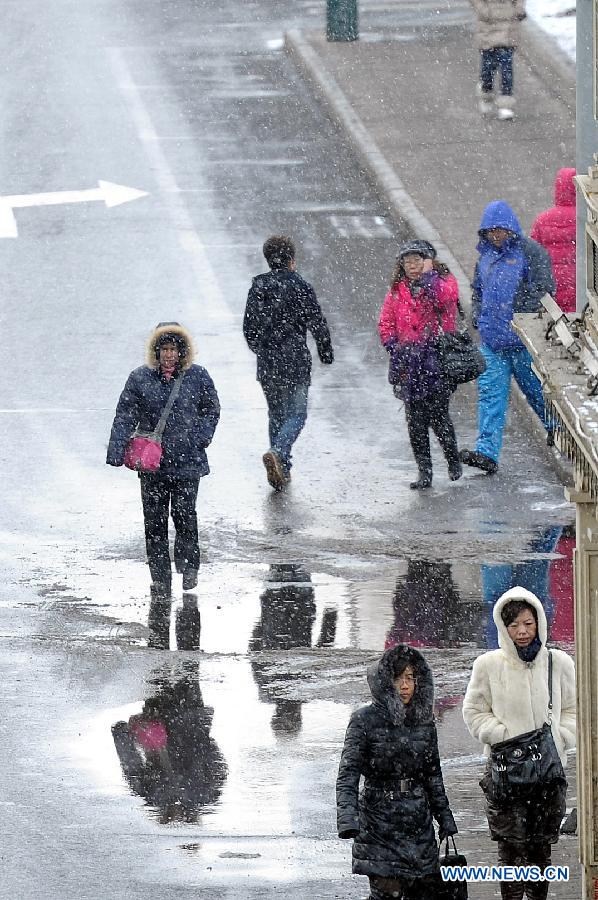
507 696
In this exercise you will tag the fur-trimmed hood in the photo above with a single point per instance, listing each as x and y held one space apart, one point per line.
505 642
169 328
380 680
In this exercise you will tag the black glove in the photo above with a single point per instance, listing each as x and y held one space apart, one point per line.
521 16
446 832
349 833
326 356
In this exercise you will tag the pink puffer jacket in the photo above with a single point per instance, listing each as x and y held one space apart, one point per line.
406 319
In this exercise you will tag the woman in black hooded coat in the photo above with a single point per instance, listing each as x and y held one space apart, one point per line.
393 743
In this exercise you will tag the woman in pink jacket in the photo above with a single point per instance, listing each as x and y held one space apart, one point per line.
555 230
422 299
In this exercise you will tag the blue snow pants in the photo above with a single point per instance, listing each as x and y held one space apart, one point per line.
494 387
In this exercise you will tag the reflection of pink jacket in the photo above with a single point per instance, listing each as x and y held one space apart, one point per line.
561 590
555 230
407 319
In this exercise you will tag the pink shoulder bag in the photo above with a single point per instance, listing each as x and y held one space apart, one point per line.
144 450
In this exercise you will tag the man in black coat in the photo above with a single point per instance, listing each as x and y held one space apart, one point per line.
281 308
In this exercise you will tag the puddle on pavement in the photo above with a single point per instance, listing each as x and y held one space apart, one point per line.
205 746
285 605
214 737
426 603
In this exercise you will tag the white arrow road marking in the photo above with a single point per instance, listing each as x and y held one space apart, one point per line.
111 194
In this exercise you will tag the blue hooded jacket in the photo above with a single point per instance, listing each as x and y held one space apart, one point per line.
508 279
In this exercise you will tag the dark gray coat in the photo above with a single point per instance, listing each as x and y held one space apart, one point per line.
386 743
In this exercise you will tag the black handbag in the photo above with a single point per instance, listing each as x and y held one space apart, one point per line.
460 359
451 890
521 764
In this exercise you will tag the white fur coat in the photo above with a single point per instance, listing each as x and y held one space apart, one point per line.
506 696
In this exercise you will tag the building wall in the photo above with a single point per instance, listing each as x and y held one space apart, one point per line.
587 123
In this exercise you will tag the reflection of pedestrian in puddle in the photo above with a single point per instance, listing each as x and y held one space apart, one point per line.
287 619
427 607
187 620
167 754
549 579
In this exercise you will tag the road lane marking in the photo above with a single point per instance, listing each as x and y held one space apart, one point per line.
208 286
361 226
111 194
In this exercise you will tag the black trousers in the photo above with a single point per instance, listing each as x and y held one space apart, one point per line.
431 412
530 854
426 887
158 494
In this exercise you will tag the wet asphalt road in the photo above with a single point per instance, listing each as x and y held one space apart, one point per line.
197 104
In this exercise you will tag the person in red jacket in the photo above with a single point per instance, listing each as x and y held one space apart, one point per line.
422 300
555 230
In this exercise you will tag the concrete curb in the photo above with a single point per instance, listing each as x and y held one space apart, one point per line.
392 191
389 186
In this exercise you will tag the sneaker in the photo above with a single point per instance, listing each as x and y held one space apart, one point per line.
189 579
423 482
478 461
455 471
504 107
504 114
274 470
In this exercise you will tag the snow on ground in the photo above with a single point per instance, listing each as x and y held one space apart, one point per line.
556 18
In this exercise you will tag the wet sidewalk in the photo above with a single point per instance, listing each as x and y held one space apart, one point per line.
404 93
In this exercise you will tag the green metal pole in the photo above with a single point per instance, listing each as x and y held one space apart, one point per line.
341 20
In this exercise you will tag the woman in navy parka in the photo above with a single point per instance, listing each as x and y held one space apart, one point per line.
189 430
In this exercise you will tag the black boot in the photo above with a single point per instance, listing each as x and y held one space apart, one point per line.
189 578
455 470
569 826
478 461
423 482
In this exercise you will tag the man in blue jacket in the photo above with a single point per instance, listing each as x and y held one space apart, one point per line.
512 274
281 308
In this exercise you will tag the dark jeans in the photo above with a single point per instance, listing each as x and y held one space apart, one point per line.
530 854
493 59
287 412
431 412
158 492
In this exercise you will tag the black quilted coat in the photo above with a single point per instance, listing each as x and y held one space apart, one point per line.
395 748
281 308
